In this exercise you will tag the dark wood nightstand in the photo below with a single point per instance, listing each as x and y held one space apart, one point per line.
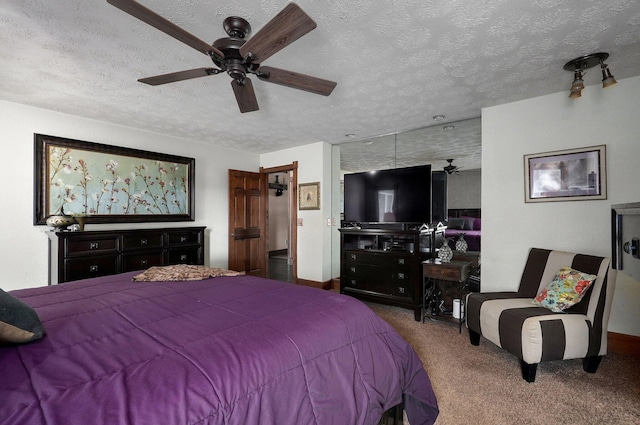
453 273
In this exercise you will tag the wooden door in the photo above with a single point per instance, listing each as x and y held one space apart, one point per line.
247 203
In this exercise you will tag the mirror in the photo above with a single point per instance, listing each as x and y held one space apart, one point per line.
460 141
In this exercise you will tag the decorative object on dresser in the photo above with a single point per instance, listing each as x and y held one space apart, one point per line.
445 253
461 244
383 265
81 255
109 184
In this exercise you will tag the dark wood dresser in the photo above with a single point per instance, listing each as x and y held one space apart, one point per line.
81 255
384 265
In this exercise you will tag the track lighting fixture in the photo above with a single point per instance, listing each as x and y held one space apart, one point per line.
578 67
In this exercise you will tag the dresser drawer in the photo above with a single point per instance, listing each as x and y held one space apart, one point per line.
455 271
379 279
132 262
90 266
391 288
187 255
377 272
91 246
147 240
396 261
184 238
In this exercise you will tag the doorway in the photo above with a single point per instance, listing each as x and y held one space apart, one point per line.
281 222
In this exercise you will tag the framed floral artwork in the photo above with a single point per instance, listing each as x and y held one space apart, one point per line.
109 184
309 196
566 175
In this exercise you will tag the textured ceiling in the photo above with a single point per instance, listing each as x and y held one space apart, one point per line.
397 64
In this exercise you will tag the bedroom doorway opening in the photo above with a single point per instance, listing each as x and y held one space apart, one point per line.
280 223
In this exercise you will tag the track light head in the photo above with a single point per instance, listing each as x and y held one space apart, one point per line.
577 86
607 78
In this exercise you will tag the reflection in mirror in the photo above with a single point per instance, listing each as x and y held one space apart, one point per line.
460 141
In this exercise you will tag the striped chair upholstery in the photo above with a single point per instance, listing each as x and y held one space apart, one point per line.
535 334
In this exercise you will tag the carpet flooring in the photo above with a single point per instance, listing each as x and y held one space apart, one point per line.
483 384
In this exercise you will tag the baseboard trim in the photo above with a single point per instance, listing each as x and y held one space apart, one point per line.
315 283
623 344
335 283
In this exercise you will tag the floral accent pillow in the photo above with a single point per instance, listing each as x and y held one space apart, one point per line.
565 290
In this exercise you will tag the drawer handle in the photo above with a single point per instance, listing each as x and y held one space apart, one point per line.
94 268
183 257
93 245
400 260
183 238
353 269
400 275
144 263
353 282
143 242
353 256
401 289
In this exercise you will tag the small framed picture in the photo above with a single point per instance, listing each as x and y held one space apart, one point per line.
567 175
309 194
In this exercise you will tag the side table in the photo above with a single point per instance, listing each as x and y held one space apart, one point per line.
453 272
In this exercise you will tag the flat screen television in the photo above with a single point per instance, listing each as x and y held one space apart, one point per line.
401 195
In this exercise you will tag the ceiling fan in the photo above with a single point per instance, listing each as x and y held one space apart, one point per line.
236 56
450 169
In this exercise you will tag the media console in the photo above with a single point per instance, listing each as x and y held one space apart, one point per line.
384 265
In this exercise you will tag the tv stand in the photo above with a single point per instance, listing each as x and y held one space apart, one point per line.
384 265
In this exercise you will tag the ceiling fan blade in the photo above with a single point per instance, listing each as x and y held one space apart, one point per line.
148 16
179 76
285 28
245 95
296 80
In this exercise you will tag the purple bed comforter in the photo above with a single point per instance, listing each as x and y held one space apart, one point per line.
228 350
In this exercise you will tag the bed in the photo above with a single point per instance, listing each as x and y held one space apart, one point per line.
225 350
466 222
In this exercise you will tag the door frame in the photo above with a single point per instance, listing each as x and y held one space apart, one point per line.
293 222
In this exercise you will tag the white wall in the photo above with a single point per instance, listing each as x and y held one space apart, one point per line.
510 226
23 247
314 236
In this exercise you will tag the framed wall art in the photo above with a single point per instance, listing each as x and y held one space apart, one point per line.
309 196
109 184
566 175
